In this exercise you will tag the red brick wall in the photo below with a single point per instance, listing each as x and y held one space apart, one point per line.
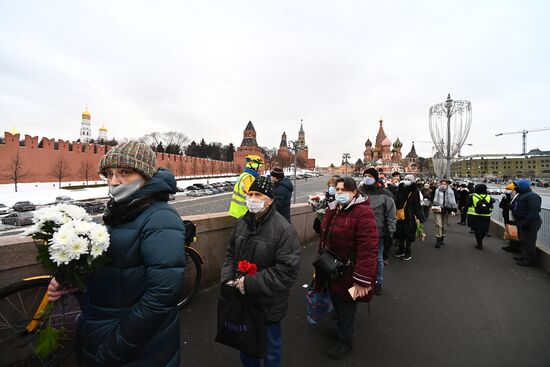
40 161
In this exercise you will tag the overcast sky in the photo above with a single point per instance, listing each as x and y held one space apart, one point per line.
206 67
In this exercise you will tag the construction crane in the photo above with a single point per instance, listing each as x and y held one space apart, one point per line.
524 135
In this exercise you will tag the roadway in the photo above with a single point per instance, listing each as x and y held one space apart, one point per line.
220 202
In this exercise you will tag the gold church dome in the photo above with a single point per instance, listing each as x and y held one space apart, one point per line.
103 128
13 131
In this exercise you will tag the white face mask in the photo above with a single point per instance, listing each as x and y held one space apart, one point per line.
407 182
124 191
254 205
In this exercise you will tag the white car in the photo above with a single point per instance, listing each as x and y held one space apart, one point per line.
4 209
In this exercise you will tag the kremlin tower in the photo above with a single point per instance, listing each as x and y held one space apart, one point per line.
85 130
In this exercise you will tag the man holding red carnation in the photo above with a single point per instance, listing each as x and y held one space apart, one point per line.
262 261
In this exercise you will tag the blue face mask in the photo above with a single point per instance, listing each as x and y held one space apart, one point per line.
369 181
342 198
331 190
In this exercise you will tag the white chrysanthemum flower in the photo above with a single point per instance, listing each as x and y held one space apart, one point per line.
62 238
96 251
76 212
99 235
59 256
77 246
81 226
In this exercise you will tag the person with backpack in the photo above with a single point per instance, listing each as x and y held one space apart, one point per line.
443 204
480 206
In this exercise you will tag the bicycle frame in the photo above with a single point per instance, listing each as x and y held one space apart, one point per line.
35 321
191 249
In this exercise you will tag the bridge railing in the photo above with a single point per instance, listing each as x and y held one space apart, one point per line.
543 237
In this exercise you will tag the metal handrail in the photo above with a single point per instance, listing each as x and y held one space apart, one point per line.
543 236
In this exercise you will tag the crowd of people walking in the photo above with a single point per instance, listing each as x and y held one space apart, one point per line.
129 311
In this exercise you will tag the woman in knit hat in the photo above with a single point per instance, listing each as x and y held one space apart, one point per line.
130 313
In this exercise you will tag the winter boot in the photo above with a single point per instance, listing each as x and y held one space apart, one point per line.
437 242
442 240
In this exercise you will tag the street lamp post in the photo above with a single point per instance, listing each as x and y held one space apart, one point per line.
450 121
345 158
295 147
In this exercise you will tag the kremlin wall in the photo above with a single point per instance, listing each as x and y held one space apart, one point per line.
41 162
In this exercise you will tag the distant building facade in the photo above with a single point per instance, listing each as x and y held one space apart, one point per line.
536 163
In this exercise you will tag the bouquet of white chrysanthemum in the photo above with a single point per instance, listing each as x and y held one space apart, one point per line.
69 243
71 246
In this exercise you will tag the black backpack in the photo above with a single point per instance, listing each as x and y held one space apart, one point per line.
190 232
484 207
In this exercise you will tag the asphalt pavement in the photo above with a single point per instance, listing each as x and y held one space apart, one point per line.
454 306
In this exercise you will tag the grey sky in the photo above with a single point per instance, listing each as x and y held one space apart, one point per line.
206 67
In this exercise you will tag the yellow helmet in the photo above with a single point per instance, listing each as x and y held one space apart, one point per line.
254 159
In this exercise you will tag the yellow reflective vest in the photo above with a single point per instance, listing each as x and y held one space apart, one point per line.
475 199
238 208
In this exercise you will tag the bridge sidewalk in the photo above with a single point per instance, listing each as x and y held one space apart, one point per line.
454 306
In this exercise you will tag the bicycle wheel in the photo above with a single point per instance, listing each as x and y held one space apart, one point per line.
193 273
18 303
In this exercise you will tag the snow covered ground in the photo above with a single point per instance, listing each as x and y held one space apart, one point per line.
42 193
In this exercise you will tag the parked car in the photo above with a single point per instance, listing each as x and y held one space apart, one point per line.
23 206
64 199
96 207
18 219
4 209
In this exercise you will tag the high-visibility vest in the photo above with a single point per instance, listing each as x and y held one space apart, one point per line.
475 199
238 208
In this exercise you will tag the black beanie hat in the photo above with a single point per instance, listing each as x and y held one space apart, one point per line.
371 171
262 185
277 172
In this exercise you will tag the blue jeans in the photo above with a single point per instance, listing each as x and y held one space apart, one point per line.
274 346
380 267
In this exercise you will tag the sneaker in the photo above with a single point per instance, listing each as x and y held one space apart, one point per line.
339 351
378 289
407 257
399 254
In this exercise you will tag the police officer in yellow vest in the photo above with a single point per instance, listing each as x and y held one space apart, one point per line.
479 216
238 208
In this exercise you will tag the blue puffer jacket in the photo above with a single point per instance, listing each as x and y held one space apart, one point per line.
282 194
526 207
130 315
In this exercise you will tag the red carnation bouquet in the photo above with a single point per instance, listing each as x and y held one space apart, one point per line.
247 268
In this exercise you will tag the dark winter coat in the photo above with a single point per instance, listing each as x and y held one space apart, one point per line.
463 195
282 194
527 206
383 206
351 233
130 314
272 244
407 228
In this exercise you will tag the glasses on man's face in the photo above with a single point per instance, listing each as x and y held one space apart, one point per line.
122 173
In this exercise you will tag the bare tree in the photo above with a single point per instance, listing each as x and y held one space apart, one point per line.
173 142
60 170
301 161
86 170
15 171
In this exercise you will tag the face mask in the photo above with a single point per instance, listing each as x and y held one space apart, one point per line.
254 205
331 190
124 191
368 181
442 187
509 192
407 183
342 198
